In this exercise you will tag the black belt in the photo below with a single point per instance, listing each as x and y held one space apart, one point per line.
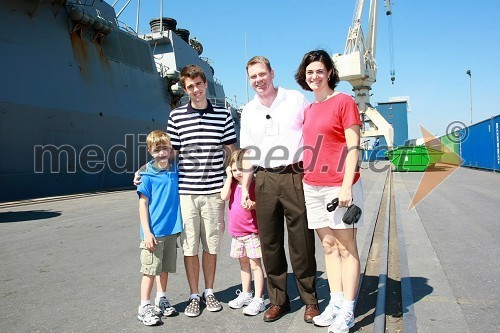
290 168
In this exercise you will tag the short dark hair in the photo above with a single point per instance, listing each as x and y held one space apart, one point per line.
312 56
192 72
259 60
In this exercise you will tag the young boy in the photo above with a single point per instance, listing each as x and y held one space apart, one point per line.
160 216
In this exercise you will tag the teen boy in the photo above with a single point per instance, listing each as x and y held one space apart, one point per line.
201 132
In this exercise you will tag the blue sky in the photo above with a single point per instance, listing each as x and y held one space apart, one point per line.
435 43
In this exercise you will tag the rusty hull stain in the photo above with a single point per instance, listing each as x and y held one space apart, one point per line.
81 52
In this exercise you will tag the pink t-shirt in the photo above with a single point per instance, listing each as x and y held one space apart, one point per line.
242 222
325 146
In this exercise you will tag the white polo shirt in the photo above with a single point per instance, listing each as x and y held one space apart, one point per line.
274 133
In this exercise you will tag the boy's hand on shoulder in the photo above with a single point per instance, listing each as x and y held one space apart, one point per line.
137 178
150 241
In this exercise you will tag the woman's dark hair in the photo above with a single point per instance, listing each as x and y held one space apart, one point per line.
317 55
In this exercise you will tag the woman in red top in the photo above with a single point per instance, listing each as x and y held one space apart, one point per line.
331 132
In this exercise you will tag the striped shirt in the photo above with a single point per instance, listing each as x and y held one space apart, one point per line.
199 136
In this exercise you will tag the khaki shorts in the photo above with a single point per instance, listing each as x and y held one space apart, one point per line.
316 199
203 221
162 259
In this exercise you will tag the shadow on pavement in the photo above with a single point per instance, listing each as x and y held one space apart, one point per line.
30 215
367 299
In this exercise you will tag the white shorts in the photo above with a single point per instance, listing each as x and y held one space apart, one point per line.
317 197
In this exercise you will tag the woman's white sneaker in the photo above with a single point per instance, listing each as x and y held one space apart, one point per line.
326 318
342 323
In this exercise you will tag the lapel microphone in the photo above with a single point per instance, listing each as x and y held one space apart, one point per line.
268 116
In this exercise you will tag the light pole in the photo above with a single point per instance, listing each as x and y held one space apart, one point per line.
470 92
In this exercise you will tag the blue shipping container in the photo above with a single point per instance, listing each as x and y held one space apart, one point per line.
479 145
496 126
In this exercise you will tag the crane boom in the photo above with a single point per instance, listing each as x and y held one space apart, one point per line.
358 67
355 39
372 28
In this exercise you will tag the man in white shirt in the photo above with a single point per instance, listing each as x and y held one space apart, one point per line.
271 127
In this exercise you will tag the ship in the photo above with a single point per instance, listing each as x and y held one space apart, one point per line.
80 91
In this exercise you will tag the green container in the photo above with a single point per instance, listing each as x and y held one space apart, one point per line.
451 148
413 158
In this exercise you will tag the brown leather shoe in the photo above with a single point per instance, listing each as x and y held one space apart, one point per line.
275 312
311 312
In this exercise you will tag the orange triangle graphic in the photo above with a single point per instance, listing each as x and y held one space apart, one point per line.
434 174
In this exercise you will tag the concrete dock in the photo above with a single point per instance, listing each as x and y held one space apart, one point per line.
71 264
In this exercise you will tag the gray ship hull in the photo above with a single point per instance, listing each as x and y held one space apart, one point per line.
76 103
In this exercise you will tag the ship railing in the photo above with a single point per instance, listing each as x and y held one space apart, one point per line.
207 60
141 34
228 103
218 101
123 26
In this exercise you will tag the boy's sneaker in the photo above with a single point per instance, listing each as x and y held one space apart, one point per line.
212 303
193 308
326 318
240 301
163 307
147 315
254 308
342 323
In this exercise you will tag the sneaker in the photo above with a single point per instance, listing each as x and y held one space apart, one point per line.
193 308
254 308
163 308
342 323
240 301
326 318
212 303
148 316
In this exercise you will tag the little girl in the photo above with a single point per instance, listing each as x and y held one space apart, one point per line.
245 243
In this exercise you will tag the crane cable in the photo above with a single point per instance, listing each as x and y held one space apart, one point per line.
391 47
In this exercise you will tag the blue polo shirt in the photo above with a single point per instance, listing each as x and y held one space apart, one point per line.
161 187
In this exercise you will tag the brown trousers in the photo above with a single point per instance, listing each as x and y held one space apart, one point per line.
281 195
